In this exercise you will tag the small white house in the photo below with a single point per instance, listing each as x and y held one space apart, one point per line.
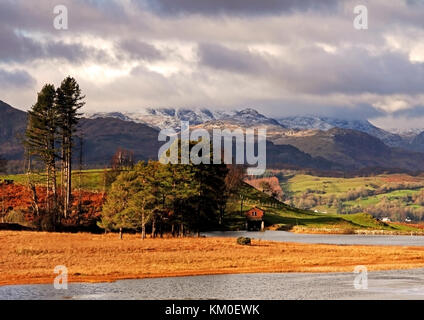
386 219
408 219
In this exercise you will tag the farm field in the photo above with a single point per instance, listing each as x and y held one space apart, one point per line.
298 183
30 257
400 197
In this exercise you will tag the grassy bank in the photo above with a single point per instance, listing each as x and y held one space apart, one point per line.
30 257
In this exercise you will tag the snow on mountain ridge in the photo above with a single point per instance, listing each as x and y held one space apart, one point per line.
171 117
161 118
326 123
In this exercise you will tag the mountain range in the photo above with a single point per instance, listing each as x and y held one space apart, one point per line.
162 118
171 118
318 143
327 123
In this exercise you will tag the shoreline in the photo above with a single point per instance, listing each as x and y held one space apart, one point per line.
30 257
106 279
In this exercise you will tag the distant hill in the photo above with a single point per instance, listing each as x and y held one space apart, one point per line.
172 117
352 149
12 128
102 137
333 149
327 123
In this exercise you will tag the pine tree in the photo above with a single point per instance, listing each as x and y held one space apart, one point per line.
68 101
143 202
115 213
41 136
210 191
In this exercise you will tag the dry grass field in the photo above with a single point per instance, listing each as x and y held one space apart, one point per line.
30 257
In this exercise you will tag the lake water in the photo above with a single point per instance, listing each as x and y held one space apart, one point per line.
345 239
405 284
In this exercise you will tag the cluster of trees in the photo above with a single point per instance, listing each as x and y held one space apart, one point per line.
161 198
407 206
122 160
268 185
311 198
396 210
49 137
417 198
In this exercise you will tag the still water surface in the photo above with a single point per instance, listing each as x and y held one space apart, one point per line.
405 284
346 239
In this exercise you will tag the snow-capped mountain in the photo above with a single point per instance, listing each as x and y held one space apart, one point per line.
171 117
161 118
326 123
407 134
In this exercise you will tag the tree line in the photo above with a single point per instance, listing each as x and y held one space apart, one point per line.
176 199
49 137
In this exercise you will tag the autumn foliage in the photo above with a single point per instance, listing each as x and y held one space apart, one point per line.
270 186
86 205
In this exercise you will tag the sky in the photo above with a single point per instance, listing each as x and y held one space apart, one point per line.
281 57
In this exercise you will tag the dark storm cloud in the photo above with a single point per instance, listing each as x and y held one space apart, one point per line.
16 79
360 111
297 107
9 11
354 71
222 58
140 50
271 50
415 2
413 112
18 47
237 7
315 71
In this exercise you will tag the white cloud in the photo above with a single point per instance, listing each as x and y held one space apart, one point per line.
292 59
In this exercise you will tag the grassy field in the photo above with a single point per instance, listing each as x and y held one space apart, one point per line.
30 257
280 216
399 189
305 221
372 200
301 183
91 180
298 183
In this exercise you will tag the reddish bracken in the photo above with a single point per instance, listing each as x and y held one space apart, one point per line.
20 197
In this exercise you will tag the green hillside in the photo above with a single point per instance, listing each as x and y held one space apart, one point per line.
399 197
279 215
